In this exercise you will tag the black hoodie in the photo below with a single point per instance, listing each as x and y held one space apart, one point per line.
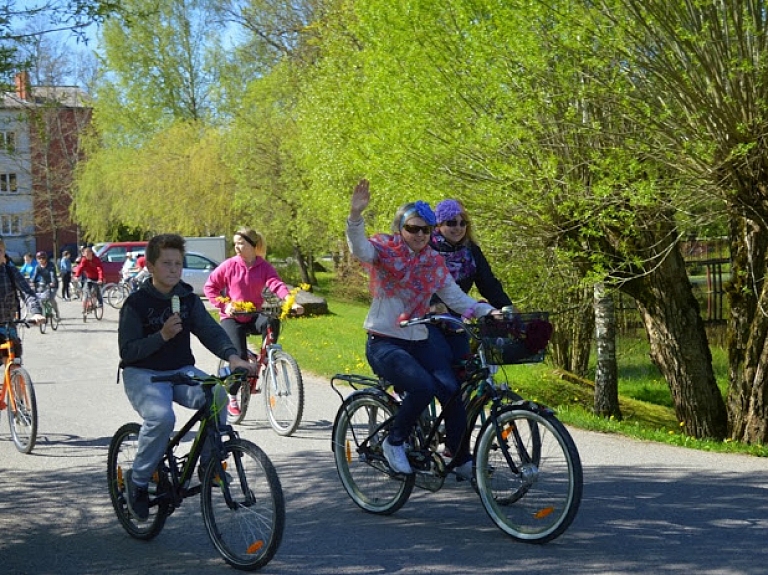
142 317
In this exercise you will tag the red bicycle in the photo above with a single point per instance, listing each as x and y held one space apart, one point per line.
283 387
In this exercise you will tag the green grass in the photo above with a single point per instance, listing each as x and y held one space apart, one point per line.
335 343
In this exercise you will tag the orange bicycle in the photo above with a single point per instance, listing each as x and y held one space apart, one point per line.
17 393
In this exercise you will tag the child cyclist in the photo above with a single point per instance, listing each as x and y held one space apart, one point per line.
154 339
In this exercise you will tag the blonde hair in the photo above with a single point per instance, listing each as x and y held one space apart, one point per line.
256 239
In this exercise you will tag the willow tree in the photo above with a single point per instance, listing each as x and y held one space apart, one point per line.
154 162
496 103
700 80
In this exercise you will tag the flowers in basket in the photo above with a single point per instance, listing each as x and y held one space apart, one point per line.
239 306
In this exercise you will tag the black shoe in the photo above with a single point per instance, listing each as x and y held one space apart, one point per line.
136 497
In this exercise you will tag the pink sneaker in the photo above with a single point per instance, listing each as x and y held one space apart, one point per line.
234 407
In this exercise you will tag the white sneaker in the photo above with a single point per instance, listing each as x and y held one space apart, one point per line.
465 471
395 456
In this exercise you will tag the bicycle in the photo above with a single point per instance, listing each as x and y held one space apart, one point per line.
51 317
91 301
283 386
17 393
244 513
116 293
527 469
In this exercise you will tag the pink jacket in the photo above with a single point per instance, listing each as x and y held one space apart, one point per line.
234 279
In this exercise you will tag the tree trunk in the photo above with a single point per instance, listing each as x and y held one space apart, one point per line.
679 345
301 261
572 339
747 332
607 373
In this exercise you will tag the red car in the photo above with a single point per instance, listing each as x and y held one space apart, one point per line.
112 256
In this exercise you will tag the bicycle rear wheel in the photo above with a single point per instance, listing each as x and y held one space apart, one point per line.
358 432
22 410
245 516
54 319
122 451
535 499
283 393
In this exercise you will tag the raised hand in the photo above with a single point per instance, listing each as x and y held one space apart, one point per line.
361 197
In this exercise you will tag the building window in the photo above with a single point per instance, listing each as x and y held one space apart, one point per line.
11 224
8 184
8 141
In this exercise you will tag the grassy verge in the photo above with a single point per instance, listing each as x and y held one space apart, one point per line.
335 343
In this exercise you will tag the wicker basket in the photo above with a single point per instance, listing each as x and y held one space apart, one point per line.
519 338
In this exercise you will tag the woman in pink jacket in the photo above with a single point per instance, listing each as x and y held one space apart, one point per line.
242 278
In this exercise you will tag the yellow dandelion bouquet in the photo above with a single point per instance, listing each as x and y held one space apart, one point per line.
291 299
239 306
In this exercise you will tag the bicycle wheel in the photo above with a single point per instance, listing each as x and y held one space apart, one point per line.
115 294
122 450
98 310
245 516
44 324
22 410
283 393
54 319
244 397
358 432
535 499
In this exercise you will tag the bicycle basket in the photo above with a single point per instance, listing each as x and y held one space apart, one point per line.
519 338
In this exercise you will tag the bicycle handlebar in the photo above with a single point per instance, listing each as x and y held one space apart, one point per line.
24 322
189 378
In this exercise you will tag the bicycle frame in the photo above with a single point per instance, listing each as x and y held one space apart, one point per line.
10 359
264 357
181 469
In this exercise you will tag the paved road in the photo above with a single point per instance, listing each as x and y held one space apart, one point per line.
647 508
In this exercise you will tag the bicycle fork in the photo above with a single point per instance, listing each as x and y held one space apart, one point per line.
9 388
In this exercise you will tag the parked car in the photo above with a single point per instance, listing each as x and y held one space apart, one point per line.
112 256
197 268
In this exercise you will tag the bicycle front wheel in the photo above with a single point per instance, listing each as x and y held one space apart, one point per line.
98 310
533 496
243 511
122 451
22 410
43 325
283 393
358 434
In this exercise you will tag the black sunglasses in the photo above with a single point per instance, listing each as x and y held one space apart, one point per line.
454 223
416 229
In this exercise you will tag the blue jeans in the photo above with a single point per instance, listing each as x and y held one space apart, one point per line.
153 400
450 344
423 372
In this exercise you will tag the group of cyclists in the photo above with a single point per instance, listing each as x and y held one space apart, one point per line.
41 274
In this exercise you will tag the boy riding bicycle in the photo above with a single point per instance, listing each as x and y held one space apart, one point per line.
156 324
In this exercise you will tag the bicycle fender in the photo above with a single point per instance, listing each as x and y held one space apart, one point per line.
378 393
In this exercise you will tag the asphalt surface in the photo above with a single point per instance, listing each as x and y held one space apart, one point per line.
647 508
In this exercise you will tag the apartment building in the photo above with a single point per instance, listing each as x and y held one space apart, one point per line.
40 136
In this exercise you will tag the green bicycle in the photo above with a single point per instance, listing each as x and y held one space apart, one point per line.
45 295
240 493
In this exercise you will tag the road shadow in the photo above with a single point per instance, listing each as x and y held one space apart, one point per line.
631 521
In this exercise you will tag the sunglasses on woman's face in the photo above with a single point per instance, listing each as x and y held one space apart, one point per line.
454 223
416 229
